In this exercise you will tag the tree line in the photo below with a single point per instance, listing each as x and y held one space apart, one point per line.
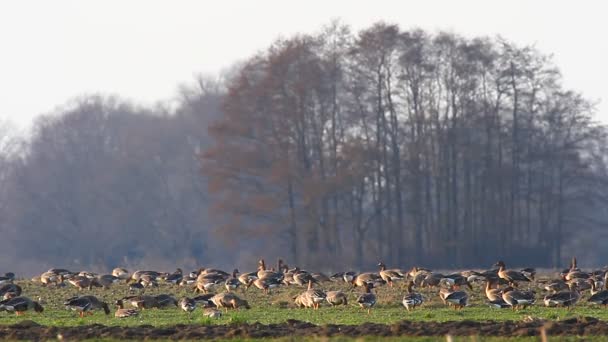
334 149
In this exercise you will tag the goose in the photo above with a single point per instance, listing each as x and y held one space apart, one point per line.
517 299
206 282
265 284
336 298
232 283
121 312
493 294
187 304
121 273
7 278
368 278
565 298
412 299
86 304
164 300
141 301
19 305
246 278
312 297
136 287
599 298
555 285
510 275
50 278
82 282
367 300
106 280
457 299
205 300
212 313
390 275
175 277
8 291
229 300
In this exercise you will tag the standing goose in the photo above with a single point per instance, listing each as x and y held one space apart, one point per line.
19 305
121 273
598 296
312 297
367 300
510 275
412 299
175 277
390 275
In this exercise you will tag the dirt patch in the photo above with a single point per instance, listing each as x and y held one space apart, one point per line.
28 330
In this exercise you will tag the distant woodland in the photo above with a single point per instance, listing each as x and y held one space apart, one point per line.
332 150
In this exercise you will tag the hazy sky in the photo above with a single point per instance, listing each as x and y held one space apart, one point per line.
51 51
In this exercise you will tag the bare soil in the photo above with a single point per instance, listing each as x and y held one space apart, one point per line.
29 330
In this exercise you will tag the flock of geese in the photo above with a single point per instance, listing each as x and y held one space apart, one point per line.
504 288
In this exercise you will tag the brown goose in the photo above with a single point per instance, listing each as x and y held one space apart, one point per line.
391 275
336 298
312 297
121 312
229 300
510 275
518 299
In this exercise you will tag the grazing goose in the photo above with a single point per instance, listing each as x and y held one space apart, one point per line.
510 275
246 278
86 304
19 305
121 273
232 283
265 284
205 300
367 300
312 297
336 298
555 285
457 299
229 300
8 291
121 312
518 299
50 278
207 282
82 282
212 313
141 302
187 304
564 299
106 280
175 277
599 298
7 278
136 287
363 279
412 299
164 301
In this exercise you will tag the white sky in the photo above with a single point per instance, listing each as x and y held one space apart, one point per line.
51 51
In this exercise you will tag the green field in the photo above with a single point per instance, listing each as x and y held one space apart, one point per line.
278 308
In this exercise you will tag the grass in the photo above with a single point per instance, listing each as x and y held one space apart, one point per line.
277 308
